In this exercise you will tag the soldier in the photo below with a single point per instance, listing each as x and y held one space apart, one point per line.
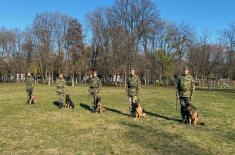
184 91
29 86
60 88
133 87
95 87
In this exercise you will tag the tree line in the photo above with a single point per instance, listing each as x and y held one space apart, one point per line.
130 33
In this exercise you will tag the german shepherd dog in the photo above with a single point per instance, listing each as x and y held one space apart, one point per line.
98 105
68 102
138 110
33 100
193 115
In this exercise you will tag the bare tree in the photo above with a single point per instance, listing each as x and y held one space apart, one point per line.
75 44
228 40
49 30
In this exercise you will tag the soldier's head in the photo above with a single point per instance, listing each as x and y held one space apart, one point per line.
94 73
132 71
28 74
186 70
61 76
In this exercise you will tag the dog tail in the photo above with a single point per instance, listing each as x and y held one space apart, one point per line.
200 123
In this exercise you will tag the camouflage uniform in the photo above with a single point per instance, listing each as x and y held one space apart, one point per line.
29 87
133 87
95 87
185 90
60 89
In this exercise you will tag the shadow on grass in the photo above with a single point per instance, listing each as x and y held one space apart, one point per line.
162 116
85 106
159 141
116 111
58 104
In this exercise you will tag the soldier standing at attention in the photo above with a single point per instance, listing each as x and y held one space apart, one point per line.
133 87
29 87
184 91
60 88
95 87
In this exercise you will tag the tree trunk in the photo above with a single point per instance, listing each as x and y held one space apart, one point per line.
125 75
73 80
49 79
46 73
41 69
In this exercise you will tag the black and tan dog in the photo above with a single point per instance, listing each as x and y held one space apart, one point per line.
138 110
68 102
99 106
33 100
193 116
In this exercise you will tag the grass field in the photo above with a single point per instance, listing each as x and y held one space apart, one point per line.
44 128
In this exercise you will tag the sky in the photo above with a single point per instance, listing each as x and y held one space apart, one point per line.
212 15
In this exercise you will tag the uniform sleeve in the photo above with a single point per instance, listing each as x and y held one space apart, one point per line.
27 83
32 81
100 84
177 86
192 87
64 83
127 82
139 83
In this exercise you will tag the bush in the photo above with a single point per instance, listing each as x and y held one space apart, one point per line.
69 83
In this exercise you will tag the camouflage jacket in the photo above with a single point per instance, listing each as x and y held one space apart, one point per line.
29 83
95 85
60 85
133 85
185 86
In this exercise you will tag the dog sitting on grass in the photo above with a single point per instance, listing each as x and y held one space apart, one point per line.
193 116
138 110
68 102
33 100
99 106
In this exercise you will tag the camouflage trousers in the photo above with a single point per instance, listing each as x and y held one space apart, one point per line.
29 95
60 96
94 97
132 100
184 101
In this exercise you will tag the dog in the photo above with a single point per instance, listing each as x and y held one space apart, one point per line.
33 100
193 115
99 106
68 102
138 110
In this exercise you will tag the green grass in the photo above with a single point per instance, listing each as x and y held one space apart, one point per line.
45 129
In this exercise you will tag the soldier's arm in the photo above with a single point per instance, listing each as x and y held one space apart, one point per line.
138 84
192 87
127 81
100 84
177 88
31 81
64 83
